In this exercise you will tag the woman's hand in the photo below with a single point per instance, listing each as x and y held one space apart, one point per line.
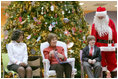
60 56
22 64
51 53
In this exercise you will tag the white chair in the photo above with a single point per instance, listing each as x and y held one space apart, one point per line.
46 62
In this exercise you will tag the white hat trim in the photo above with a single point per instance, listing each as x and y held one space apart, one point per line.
103 13
115 69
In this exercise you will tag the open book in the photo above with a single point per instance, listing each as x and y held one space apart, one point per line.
63 62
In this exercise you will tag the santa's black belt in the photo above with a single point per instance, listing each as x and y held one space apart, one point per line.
104 41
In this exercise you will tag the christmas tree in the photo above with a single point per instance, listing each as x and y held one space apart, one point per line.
39 18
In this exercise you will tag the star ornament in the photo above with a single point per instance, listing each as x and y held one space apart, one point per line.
32 25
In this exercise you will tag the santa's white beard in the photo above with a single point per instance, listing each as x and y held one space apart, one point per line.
102 27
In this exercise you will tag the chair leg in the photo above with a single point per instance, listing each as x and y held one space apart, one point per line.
72 76
82 71
45 75
3 72
13 75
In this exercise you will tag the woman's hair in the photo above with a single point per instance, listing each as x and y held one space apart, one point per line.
90 37
51 36
16 34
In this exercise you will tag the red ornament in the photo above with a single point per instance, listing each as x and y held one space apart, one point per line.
83 41
55 16
80 31
73 30
44 12
73 11
35 34
20 19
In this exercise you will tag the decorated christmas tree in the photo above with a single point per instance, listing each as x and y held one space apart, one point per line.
39 18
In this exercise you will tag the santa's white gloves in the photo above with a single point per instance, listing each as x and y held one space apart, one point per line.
115 45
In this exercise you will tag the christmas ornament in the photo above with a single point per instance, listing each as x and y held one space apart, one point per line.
51 17
33 51
83 45
69 45
71 51
46 23
28 17
66 9
78 10
69 11
83 41
42 8
45 13
42 13
14 29
50 27
80 31
33 2
84 37
73 11
20 19
73 30
6 32
55 16
53 24
66 20
60 35
23 22
39 22
7 15
6 46
35 19
52 8
66 32
6 37
38 38
63 12
14 22
29 37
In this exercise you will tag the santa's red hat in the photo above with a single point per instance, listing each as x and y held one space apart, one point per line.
101 11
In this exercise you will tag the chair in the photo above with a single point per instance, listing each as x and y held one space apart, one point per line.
5 60
46 62
82 69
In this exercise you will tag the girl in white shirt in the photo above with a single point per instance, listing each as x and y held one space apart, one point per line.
17 52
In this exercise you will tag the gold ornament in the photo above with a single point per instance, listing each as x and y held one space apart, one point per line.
20 26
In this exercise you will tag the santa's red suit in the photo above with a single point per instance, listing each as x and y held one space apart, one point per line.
108 58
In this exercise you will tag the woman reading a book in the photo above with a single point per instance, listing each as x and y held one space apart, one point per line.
55 54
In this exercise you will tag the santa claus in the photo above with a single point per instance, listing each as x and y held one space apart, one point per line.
104 30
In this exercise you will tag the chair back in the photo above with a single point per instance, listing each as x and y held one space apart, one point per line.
5 61
59 43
